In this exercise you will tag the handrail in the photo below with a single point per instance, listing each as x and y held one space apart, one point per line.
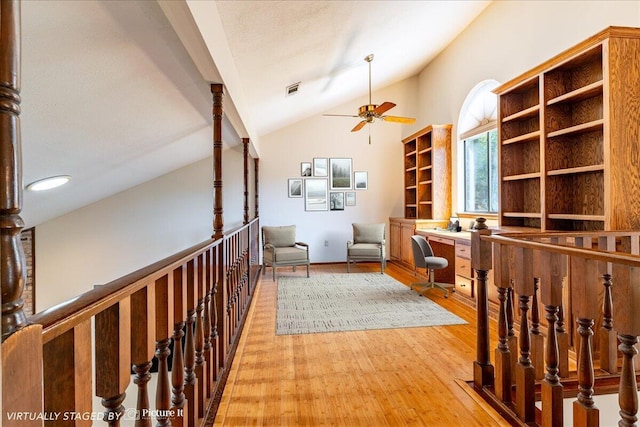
60 318
593 254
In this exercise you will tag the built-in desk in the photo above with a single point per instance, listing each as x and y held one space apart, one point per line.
456 248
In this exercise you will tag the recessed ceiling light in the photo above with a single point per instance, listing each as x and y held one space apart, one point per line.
48 183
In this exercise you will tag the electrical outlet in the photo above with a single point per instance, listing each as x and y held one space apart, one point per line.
326 243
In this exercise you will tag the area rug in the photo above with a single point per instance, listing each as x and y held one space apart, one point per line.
353 302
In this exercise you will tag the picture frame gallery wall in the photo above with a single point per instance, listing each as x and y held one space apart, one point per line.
327 184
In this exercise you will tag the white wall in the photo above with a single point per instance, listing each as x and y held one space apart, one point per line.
507 39
319 136
123 233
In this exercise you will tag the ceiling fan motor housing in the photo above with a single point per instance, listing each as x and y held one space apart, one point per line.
367 111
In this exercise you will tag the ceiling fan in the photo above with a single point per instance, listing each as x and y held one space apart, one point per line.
370 112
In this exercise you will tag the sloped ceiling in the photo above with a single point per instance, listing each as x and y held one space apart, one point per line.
115 93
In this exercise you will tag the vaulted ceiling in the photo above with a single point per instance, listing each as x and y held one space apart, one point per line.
115 93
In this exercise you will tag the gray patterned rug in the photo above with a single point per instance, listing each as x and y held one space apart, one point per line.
353 302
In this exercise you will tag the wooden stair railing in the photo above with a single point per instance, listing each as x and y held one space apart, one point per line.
593 266
136 318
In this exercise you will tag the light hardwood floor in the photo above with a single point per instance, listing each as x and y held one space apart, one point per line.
392 377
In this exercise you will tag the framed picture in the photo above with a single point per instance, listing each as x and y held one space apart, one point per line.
350 198
320 167
361 180
295 187
336 201
305 169
340 174
316 194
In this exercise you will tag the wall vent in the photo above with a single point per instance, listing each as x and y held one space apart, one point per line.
292 89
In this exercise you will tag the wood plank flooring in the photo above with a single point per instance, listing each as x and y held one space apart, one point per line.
392 377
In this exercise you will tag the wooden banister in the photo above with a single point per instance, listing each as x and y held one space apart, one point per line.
600 271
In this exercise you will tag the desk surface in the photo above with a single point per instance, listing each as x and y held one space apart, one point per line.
464 236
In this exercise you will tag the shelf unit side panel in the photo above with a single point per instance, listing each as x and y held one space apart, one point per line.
441 174
624 134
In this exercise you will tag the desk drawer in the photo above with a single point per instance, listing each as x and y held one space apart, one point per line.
463 251
441 240
464 286
463 267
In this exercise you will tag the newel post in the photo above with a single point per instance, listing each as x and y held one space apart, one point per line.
245 171
12 259
481 262
218 224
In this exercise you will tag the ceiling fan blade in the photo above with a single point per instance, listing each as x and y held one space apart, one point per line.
340 115
359 126
384 107
396 119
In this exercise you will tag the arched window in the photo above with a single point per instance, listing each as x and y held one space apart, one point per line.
478 149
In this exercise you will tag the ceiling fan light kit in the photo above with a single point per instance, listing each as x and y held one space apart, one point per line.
370 112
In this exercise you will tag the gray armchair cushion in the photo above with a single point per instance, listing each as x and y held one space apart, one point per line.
285 254
368 233
372 250
280 237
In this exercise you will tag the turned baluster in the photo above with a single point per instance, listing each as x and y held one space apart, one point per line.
537 340
221 298
483 371
563 342
607 339
626 308
523 264
163 327
512 339
200 368
230 304
113 356
549 267
585 406
607 336
525 373
162 392
503 355
179 311
559 278
190 379
628 391
142 348
585 277
206 324
215 315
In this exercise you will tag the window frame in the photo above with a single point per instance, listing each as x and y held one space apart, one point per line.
491 160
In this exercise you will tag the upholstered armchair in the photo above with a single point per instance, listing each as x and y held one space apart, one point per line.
279 248
368 244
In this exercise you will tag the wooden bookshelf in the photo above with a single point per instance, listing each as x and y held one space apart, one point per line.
569 137
427 173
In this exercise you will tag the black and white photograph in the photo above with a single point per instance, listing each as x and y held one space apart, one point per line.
295 187
316 194
340 170
361 180
336 201
350 198
320 167
305 169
